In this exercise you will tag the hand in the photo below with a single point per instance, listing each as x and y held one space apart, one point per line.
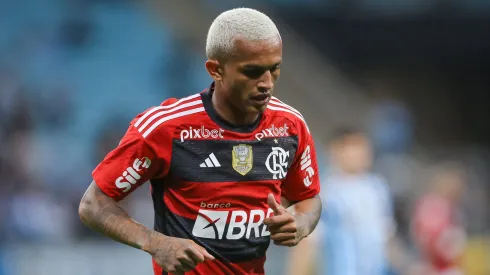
286 228
176 255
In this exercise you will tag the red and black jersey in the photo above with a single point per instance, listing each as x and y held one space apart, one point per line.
210 179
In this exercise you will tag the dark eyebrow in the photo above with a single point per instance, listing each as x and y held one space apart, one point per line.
260 67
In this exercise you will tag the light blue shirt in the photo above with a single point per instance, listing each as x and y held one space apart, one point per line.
358 219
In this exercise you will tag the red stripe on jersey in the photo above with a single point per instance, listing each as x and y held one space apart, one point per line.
216 267
186 200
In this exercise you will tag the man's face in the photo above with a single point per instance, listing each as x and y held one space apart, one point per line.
353 154
249 75
450 184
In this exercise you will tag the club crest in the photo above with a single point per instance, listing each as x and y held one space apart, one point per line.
242 158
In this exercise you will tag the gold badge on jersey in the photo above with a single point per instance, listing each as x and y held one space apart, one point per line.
242 160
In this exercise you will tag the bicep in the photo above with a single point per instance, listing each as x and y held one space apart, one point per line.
94 194
93 202
91 193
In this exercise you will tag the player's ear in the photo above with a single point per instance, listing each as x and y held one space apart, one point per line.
215 70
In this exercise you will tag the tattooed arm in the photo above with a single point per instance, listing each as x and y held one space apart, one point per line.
308 211
103 214
290 225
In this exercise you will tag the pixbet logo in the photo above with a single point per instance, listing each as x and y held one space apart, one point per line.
201 133
211 224
277 162
131 174
306 164
273 131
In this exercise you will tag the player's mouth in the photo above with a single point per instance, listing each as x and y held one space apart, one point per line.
261 99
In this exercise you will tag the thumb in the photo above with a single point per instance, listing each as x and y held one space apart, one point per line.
276 207
204 252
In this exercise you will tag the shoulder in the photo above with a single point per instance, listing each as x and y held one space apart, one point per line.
171 113
378 181
432 202
379 184
280 109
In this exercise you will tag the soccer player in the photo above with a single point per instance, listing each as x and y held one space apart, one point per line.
357 213
437 223
219 162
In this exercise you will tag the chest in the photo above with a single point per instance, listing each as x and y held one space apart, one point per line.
362 207
216 155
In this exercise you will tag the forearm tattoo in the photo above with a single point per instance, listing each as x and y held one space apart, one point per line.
103 214
311 210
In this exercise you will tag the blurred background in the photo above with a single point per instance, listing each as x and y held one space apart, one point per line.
413 75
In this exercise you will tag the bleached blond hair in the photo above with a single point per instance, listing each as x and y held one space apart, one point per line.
243 23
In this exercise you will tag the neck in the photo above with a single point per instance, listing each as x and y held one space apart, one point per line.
349 173
228 112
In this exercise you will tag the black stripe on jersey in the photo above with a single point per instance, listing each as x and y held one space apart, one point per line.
157 190
271 158
224 250
172 225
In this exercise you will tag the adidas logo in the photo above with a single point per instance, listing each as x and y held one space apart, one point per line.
211 161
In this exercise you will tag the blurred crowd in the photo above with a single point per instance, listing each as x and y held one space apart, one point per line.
70 81
367 227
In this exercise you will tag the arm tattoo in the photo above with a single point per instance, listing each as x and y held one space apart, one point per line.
310 210
103 214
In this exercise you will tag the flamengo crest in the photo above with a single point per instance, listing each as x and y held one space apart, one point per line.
277 163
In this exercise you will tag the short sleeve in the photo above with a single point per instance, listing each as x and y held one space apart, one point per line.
133 162
302 181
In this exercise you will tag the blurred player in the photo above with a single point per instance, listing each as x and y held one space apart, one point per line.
357 215
437 226
218 162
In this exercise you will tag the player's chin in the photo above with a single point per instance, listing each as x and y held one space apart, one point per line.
257 108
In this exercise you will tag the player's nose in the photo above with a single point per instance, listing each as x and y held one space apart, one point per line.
266 82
